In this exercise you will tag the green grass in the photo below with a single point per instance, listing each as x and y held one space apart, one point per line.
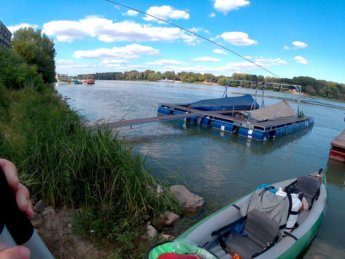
67 164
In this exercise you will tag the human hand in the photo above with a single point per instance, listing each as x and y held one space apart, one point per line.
21 192
18 252
24 204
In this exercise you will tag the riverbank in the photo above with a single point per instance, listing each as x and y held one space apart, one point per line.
84 170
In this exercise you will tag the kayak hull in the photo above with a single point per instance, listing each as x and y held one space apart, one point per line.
287 247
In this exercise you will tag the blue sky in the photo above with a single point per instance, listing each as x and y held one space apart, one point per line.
288 37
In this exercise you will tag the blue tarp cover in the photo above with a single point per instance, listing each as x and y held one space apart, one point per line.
245 102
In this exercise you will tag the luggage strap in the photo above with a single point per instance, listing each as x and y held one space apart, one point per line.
226 231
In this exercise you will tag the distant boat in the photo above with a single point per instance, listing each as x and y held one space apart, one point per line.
89 81
271 222
77 82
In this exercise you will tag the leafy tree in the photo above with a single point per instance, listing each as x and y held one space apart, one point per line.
36 49
222 80
15 73
147 74
169 75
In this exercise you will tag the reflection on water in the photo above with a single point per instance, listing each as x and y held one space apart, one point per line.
336 174
219 166
330 242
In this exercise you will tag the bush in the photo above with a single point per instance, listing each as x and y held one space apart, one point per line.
16 74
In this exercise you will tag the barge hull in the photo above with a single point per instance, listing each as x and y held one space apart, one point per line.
233 122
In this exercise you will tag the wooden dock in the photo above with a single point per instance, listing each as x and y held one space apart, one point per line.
337 151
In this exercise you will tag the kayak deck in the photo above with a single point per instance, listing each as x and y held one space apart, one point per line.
308 223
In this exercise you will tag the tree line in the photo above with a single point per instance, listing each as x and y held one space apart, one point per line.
310 86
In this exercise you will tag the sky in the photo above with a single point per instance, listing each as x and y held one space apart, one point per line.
287 37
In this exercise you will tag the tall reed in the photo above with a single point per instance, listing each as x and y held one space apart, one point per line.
66 163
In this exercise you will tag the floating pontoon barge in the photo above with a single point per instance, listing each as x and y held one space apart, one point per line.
252 126
337 151
238 115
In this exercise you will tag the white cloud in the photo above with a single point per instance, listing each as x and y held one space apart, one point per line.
131 13
300 44
238 38
165 12
245 66
225 6
262 61
70 67
63 62
231 67
190 39
129 51
108 31
198 29
296 45
111 61
220 51
164 62
20 26
301 60
242 66
212 15
206 59
68 31
268 62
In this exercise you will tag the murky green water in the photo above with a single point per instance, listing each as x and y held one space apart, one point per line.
222 167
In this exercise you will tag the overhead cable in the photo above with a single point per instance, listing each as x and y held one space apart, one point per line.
195 34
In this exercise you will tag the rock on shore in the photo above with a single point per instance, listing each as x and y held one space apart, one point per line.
189 201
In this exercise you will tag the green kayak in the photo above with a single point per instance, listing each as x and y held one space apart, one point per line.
274 221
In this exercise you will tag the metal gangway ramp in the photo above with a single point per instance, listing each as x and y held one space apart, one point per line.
189 113
124 123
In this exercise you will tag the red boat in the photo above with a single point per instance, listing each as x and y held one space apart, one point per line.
89 81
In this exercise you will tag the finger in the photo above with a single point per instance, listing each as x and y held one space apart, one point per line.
18 252
30 210
11 175
23 200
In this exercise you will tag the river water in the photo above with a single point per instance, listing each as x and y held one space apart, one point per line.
222 167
